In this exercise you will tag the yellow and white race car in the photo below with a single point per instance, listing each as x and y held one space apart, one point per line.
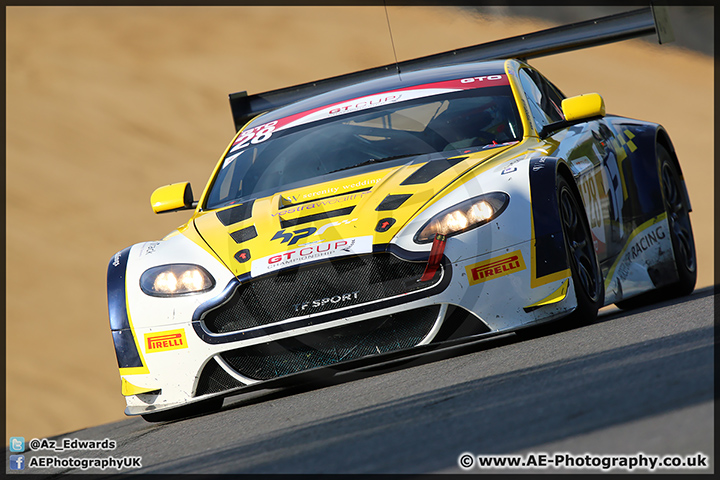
436 201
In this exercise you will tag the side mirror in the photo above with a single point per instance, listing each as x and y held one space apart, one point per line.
576 110
583 106
172 198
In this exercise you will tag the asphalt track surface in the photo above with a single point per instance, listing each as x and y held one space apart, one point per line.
632 382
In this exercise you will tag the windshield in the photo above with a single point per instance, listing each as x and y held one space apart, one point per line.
330 141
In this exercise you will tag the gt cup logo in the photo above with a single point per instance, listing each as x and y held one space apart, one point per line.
312 252
163 341
495 267
363 103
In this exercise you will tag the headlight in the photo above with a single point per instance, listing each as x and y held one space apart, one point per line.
464 216
179 279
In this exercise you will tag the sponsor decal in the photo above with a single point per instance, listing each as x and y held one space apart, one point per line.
321 302
495 267
116 259
312 252
482 79
580 165
507 170
363 103
164 341
294 237
640 244
384 225
322 203
590 187
149 248
243 255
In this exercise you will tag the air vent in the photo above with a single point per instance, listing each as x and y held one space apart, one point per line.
235 214
391 202
431 170
317 216
244 234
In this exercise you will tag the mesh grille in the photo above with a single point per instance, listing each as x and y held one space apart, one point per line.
316 288
214 379
327 347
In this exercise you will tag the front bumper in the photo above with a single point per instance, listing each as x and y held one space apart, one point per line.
225 355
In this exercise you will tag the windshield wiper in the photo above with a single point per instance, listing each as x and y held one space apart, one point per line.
378 160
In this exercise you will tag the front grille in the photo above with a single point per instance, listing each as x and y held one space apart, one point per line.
327 347
316 288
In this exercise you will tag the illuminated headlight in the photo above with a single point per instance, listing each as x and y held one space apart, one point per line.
464 216
179 279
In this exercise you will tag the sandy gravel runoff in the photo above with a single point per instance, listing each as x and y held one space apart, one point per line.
106 104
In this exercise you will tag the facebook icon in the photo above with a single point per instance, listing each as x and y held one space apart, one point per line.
17 462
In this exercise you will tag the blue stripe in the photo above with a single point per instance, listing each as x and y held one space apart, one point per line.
550 255
125 349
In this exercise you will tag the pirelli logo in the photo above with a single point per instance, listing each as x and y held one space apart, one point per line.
164 341
495 267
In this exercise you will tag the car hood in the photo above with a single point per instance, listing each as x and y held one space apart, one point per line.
345 216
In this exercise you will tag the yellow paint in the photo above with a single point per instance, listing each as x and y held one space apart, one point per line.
170 197
583 106
129 389
513 73
554 297
362 192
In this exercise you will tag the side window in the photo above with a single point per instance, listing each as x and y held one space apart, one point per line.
544 99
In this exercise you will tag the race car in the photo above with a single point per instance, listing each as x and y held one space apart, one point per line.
427 203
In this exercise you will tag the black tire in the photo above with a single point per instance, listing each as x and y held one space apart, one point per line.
681 235
584 266
200 408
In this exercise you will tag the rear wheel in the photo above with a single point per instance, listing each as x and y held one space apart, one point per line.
584 266
681 235
679 222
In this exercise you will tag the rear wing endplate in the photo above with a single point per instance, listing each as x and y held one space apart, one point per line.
565 38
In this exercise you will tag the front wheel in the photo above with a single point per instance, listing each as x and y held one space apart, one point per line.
584 266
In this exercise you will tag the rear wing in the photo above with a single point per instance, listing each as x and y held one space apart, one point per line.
565 38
